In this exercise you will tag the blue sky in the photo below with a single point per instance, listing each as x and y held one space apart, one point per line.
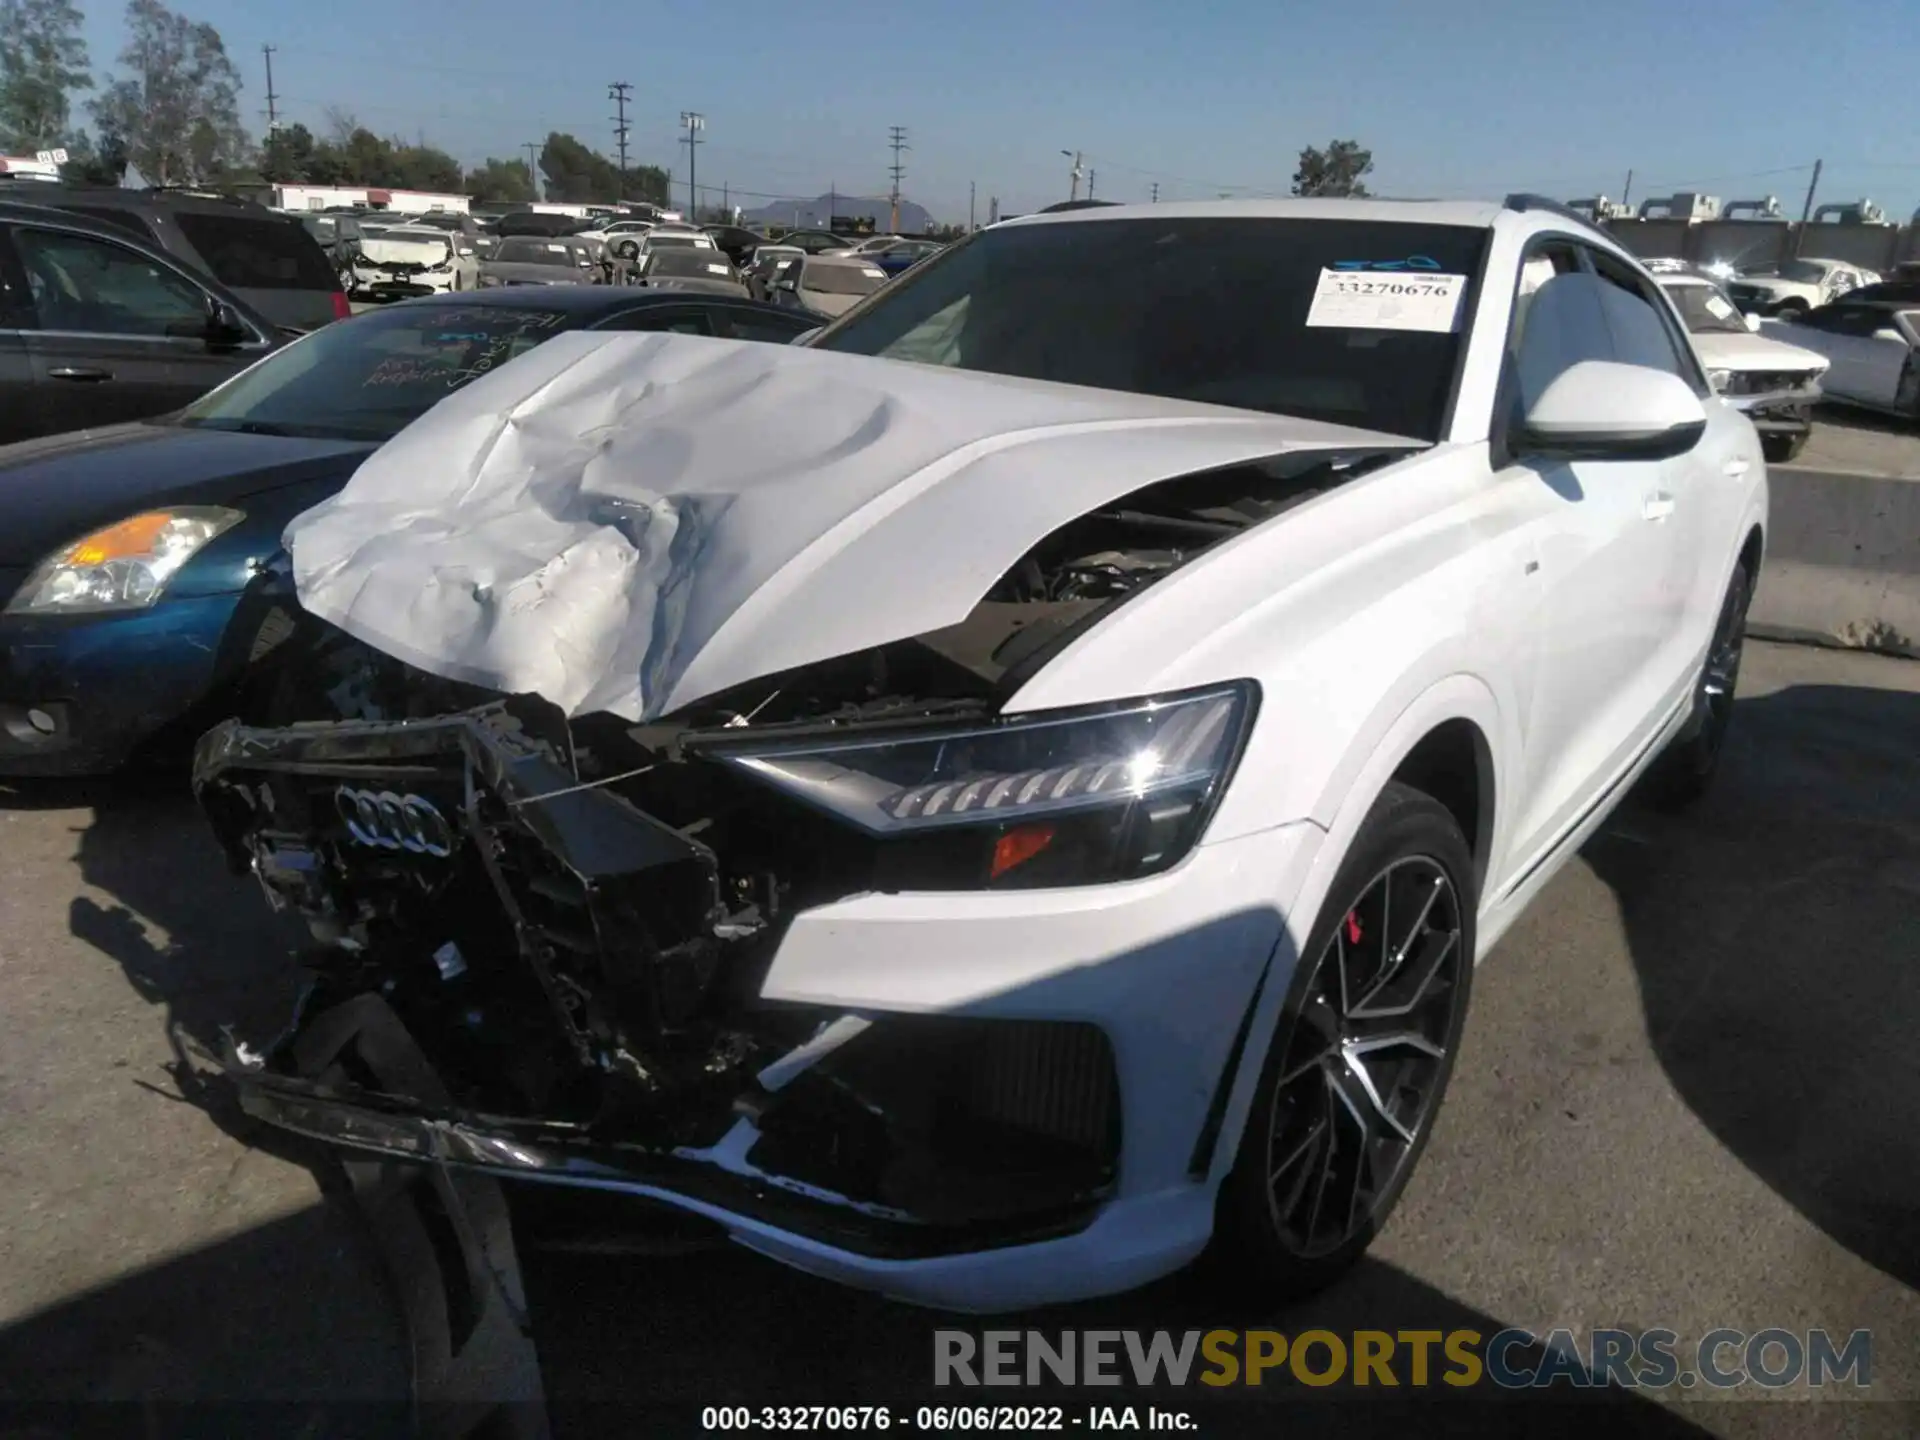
1469 99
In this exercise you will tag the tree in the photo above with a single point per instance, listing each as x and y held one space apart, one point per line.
646 182
179 105
91 163
43 61
286 156
576 173
506 181
421 167
1335 171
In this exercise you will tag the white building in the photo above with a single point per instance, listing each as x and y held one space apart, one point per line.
320 197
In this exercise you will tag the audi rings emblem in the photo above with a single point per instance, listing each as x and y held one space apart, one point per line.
394 822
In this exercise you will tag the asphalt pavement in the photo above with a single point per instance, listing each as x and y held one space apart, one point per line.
1684 1100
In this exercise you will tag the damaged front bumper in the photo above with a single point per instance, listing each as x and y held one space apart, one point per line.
976 1101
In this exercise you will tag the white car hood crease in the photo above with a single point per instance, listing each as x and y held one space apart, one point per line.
629 523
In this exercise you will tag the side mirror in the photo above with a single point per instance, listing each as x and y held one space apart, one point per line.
1602 410
1752 322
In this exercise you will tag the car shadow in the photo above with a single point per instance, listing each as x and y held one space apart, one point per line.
196 943
633 1344
267 1332
1775 931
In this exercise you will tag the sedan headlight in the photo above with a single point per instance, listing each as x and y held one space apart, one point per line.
125 566
1057 798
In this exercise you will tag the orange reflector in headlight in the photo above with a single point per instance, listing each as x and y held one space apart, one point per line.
1016 847
131 537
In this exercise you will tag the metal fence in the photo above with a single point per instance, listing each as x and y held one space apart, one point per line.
1762 242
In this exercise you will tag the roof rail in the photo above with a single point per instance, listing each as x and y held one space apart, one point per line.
1522 201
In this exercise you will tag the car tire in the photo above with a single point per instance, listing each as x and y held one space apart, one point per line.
1684 772
1352 1085
1782 449
1906 395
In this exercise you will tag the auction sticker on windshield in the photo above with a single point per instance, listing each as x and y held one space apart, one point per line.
1391 300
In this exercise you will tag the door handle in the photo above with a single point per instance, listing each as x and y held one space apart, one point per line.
1656 507
79 372
1735 468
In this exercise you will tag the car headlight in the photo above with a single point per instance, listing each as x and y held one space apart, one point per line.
124 566
1056 798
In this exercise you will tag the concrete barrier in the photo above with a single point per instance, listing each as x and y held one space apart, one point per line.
1843 562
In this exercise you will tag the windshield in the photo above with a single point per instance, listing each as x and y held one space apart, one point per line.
828 279
534 252
687 263
1207 309
366 378
1706 310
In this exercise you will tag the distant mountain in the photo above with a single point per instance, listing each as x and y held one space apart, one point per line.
813 214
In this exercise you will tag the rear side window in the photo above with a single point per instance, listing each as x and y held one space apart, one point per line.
84 285
254 254
125 220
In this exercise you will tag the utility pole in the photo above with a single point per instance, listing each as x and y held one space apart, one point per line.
993 210
617 92
897 142
1090 175
273 100
971 227
1806 212
533 175
726 203
1626 190
1156 194
693 123
1073 191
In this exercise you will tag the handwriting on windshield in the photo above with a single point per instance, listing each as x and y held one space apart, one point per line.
408 370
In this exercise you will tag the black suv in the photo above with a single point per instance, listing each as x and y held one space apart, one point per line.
98 326
268 260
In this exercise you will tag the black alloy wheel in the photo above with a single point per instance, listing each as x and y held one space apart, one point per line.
1685 771
1361 1058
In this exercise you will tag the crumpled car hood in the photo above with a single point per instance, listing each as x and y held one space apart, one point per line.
628 523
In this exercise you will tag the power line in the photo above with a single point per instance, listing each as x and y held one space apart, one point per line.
897 141
617 92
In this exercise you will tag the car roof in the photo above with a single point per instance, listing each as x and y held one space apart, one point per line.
1477 214
119 197
585 301
845 262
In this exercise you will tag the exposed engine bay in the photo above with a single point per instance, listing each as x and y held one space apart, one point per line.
572 919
